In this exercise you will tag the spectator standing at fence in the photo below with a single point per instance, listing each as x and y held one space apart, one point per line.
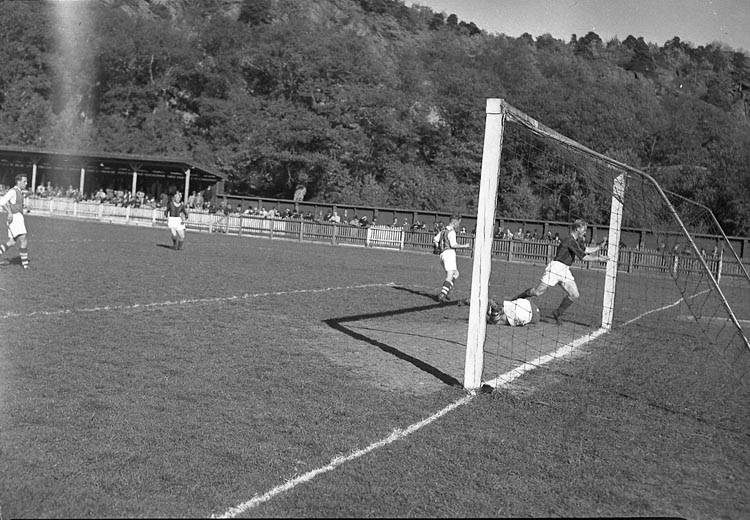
446 245
176 214
558 270
12 204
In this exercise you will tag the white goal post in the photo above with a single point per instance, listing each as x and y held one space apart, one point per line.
610 179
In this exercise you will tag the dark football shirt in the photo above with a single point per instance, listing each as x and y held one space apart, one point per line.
174 210
568 250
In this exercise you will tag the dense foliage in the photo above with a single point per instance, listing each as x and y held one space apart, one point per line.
364 102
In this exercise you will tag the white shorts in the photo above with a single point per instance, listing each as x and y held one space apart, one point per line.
448 259
175 223
17 227
559 273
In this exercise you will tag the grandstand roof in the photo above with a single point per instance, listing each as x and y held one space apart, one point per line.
118 163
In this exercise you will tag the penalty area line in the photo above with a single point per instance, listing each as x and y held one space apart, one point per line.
221 299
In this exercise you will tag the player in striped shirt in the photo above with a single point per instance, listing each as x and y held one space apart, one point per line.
12 204
445 244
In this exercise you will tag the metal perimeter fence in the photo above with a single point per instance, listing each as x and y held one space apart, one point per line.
509 250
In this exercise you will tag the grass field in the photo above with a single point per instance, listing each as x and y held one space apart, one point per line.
257 378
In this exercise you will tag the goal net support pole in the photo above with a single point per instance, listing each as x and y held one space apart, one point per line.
482 265
613 251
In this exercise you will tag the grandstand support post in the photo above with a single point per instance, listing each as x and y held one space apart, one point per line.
187 185
33 176
83 177
493 138
613 251
134 184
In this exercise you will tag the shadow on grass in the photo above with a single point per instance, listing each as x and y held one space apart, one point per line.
338 324
5 262
431 296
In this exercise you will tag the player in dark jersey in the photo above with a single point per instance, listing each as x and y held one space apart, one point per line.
176 214
558 270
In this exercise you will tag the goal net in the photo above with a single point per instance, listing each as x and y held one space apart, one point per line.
670 299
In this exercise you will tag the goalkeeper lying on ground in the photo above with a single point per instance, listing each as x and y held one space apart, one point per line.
516 313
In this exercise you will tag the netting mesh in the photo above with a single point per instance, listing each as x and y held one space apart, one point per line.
679 291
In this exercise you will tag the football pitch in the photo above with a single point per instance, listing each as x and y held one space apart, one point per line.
253 377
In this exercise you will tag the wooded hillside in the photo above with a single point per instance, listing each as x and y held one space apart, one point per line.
366 102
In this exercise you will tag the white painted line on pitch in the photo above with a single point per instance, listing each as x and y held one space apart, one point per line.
708 319
517 372
189 301
675 304
338 461
400 434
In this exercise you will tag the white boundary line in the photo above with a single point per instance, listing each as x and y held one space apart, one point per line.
221 299
675 304
709 319
517 372
338 461
400 434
